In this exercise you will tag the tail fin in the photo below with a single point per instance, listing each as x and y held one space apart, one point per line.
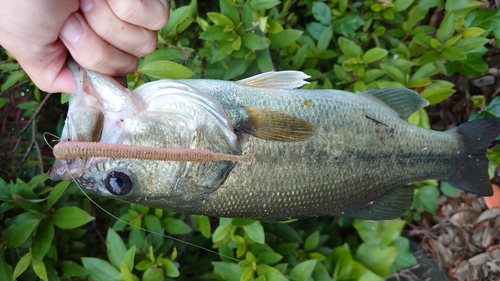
472 173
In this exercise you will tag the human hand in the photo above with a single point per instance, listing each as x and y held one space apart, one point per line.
103 35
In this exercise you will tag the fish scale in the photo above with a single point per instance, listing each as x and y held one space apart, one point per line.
318 152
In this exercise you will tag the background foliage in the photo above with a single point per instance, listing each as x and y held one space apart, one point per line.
52 231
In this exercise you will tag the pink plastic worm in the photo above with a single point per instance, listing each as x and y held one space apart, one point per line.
65 150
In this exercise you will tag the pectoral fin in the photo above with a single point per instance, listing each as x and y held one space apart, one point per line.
275 125
289 79
392 205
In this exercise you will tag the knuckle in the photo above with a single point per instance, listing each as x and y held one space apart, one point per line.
148 47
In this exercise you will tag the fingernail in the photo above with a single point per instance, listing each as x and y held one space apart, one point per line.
72 29
85 5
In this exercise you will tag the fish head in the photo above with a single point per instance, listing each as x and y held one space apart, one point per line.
160 114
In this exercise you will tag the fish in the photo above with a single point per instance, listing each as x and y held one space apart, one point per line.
260 148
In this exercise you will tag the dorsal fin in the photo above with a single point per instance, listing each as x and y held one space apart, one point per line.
275 125
289 79
401 100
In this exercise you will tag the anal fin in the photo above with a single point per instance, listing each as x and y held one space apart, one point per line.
275 125
394 204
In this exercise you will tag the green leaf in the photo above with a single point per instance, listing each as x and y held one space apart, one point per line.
325 39
366 254
254 42
221 233
70 217
401 5
42 240
420 118
269 258
422 39
169 268
345 268
14 77
56 193
449 190
374 55
472 32
260 5
38 179
3 102
227 270
447 28
312 242
125 272
379 233
287 233
166 69
116 247
347 25
152 223
216 33
425 71
223 50
236 68
473 66
255 231
469 44
436 95
101 270
284 38
220 19
22 265
40 270
372 74
73 269
303 270
203 225
17 233
426 198
5 268
394 73
175 226
461 6
349 48
322 13
228 9
405 258
452 53
271 273
300 57
247 273
128 258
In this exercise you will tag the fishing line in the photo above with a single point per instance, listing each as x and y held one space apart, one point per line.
56 138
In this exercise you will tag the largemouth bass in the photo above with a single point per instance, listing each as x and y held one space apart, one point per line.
259 148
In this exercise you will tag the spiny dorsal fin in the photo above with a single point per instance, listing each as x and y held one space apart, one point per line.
401 100
289 79
390 206
275 125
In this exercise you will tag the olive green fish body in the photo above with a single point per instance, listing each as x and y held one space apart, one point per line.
317 152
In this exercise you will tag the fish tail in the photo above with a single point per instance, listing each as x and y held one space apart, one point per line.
472 172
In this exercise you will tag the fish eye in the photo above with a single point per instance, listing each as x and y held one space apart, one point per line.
118 183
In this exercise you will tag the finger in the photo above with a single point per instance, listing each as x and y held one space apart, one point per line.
41 54
90 51
127 37
150 14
